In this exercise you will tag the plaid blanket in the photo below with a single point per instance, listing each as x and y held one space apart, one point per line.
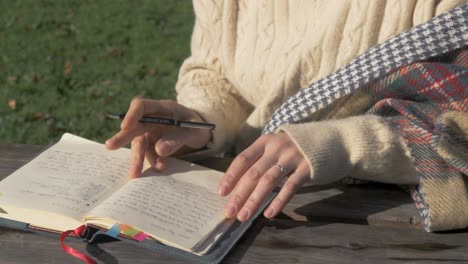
418 81
428 102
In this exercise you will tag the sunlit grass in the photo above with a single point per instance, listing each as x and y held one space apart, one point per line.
64 64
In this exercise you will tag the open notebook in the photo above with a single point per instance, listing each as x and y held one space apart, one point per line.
77 181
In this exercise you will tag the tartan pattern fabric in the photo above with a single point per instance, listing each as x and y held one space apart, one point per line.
414 101
439 35
411 95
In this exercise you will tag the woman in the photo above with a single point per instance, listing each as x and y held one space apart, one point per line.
249 57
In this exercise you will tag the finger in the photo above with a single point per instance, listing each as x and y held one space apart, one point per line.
239 166
171 142
140 107
151 157
290 187
157 163
265 186
139 145
245 187
160 164
131 127
122 138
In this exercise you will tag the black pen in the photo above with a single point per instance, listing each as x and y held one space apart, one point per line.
167 121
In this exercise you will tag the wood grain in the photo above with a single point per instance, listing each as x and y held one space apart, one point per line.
286 241
276 241
374 223
13 156
375 204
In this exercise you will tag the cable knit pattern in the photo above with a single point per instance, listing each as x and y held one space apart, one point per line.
339 148
248 57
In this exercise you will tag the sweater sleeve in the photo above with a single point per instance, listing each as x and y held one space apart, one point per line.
203 87
364 147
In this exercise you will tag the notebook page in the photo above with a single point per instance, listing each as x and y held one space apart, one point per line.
69 178
180 209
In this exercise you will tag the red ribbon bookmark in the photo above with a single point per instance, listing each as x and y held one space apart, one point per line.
78 232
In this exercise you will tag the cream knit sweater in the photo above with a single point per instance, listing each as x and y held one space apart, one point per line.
249 56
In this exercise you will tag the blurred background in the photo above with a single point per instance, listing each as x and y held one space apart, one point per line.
65 64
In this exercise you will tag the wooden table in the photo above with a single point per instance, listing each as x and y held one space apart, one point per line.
327 224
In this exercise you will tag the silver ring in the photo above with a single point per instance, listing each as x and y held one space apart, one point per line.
281 168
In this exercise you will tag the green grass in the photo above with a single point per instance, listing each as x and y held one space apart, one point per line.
67 63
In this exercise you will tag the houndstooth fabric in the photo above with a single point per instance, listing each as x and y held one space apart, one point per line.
439 35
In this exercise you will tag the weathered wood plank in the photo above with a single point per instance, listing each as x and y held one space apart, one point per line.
19 151
26 247
332 229
376 204
276 241
13 156
286 241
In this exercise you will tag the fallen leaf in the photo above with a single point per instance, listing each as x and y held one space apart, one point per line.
68 68
144 71
83 59
99 115
12 104
95 94
71 14
39 116
12 79
150 72
106 82
115 52
37 78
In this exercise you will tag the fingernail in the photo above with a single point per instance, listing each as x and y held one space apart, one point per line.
269 212
165 148
222 190
230 210
244 214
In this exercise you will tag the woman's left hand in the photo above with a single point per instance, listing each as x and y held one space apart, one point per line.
256 171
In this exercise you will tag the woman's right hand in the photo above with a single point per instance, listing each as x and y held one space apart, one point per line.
153 141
